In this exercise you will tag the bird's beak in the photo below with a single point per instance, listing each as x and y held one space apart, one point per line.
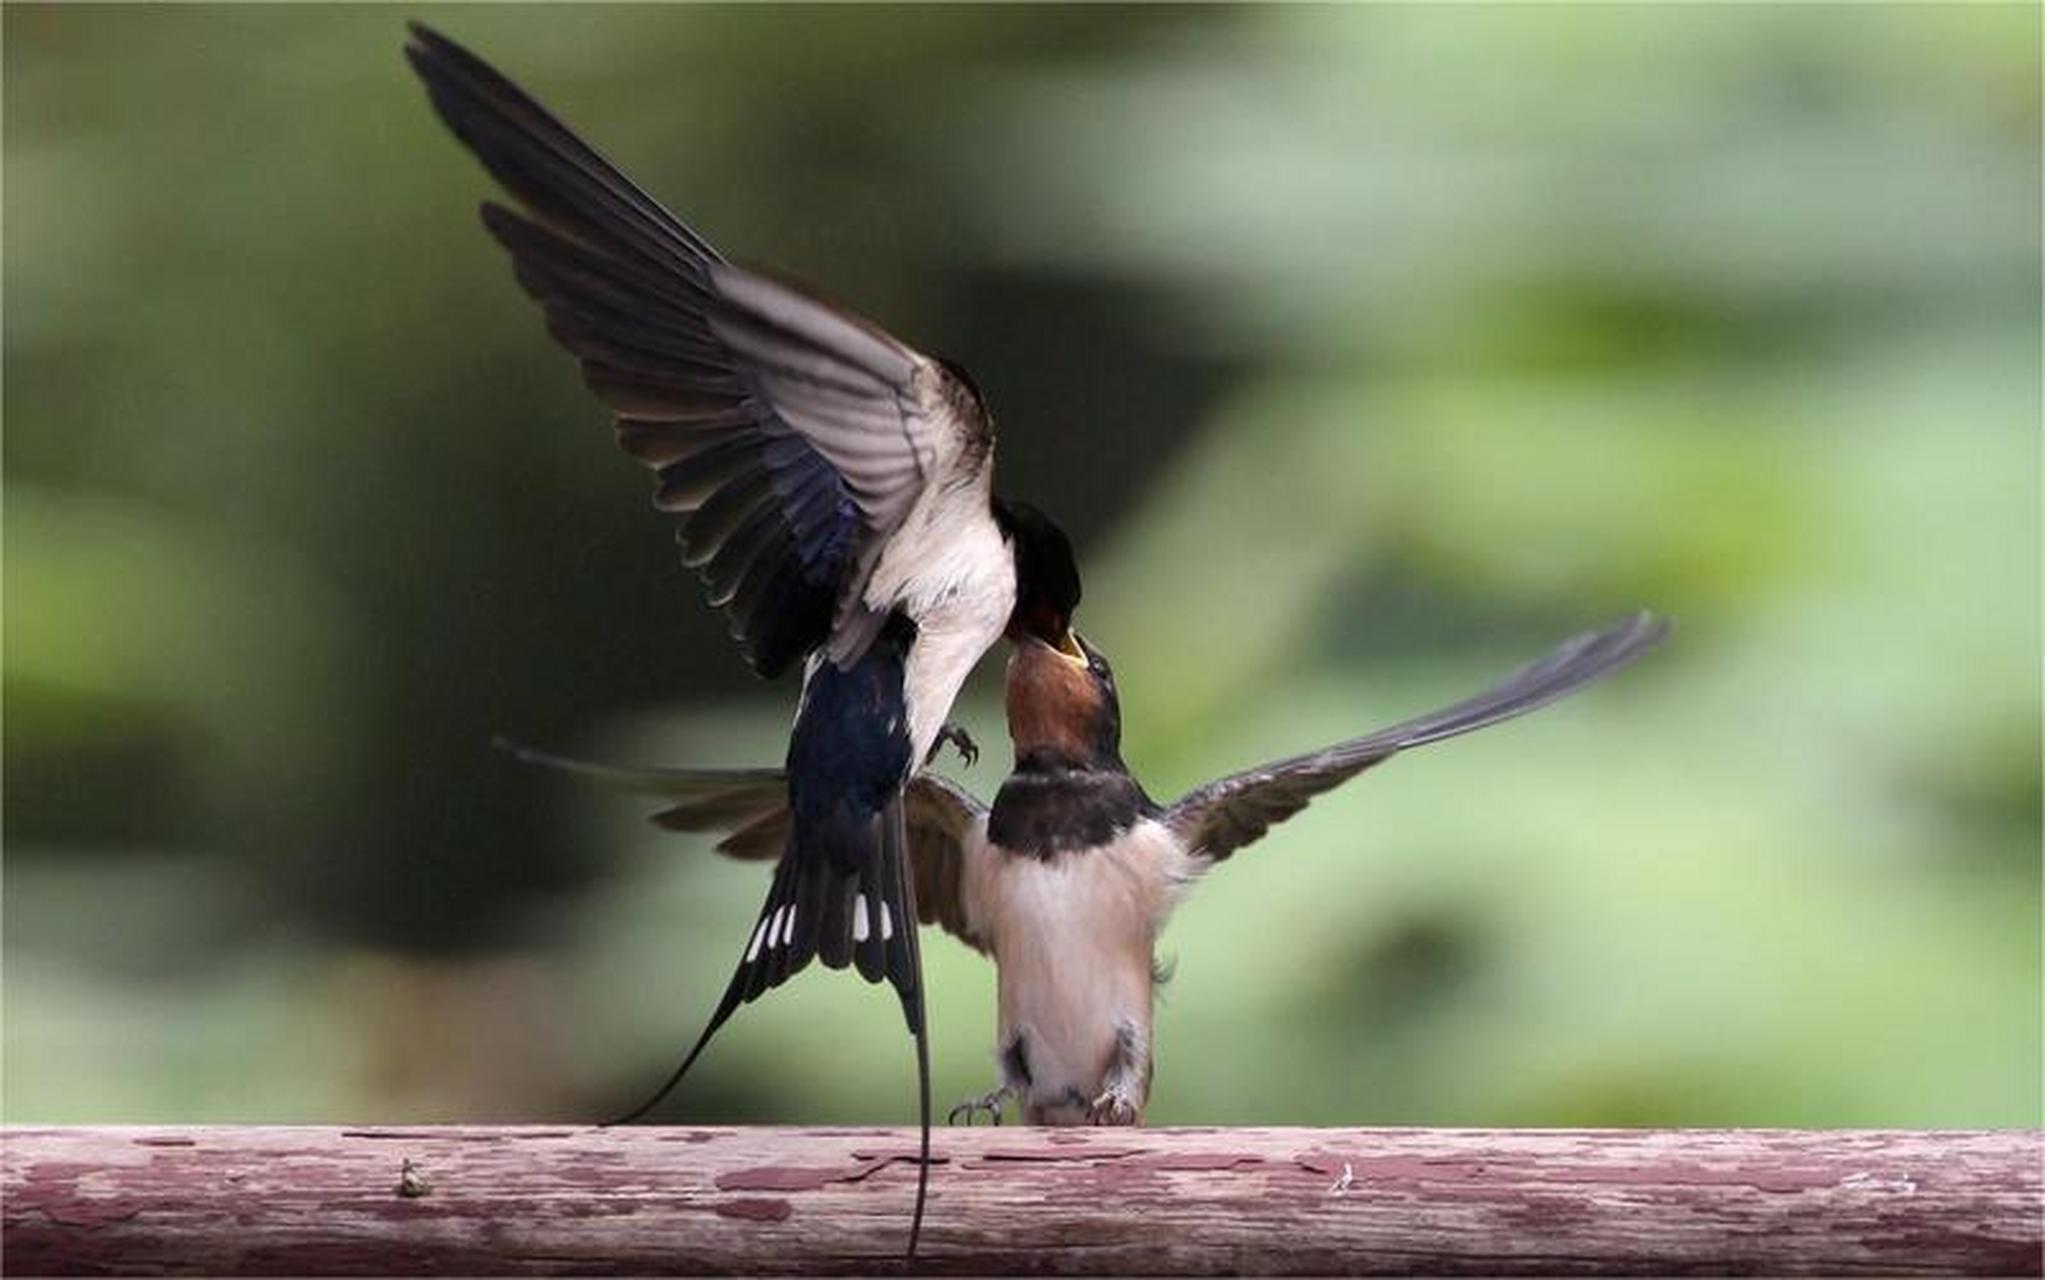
1063 644
1069 649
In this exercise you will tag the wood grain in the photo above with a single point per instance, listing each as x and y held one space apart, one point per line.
253 1200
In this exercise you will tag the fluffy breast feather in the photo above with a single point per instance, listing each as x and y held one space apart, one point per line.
1073 937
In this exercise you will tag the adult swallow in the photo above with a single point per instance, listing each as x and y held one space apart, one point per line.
835 489
1068 879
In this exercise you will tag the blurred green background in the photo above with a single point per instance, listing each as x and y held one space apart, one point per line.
1367 352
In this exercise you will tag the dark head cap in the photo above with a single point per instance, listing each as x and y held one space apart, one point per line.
1046 574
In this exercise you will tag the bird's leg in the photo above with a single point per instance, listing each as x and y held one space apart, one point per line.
969 751
1126 1087
990 1102
1015 1083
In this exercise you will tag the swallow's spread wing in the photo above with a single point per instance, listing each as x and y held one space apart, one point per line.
749 807
947 828
793 439
1223 816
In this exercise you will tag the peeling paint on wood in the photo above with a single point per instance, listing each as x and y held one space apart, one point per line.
785 1177
244 1201
756 1210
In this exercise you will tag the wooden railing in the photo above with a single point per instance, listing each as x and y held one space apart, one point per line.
258 1200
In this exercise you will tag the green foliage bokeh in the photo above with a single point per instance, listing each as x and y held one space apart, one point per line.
1367 351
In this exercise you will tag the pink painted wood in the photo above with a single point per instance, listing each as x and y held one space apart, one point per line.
260 1200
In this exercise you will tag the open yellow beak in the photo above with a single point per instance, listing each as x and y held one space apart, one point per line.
1068 649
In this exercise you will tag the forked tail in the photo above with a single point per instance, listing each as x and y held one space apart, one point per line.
895 853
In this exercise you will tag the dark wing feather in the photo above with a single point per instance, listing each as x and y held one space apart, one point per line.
1223 816
744 802
944 822
750 807
791 438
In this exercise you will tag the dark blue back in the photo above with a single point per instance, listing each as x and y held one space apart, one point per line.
849 752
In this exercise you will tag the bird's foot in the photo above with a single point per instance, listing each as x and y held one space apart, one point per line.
987 1102
969 751
1114 1107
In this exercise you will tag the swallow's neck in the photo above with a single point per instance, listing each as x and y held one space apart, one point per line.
1059 719
1060 759
1054 803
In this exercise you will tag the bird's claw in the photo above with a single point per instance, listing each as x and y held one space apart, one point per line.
969 751
990 1103
1111 1108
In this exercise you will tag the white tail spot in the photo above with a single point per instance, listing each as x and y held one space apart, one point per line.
787 927
759 936
774 927
861 926
887 923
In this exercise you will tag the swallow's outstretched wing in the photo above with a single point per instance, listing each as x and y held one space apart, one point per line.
793 439
1216 820
748 806
947 832
946 824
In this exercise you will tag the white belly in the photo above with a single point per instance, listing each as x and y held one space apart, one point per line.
1072 940
953 573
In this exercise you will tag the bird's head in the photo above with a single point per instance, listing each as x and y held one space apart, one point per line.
1046 576
1062 704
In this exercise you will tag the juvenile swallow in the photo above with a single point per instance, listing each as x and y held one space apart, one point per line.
835 489
1068 879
